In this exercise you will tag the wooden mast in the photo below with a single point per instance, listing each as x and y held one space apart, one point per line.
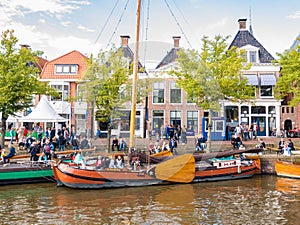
134 78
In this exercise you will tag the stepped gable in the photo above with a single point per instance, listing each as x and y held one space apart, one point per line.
172 55
244 37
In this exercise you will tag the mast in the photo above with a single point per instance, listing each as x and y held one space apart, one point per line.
134 78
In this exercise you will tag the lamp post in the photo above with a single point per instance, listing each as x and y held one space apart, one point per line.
245 119
272 124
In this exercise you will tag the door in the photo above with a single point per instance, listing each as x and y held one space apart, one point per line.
261 123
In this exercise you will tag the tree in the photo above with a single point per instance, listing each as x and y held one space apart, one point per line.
106 84
288 83
213 76
19 79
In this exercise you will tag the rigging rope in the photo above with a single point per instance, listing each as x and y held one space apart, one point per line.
121 17
106 22
146 31
182 31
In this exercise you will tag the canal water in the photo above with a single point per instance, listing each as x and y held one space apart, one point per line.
259 200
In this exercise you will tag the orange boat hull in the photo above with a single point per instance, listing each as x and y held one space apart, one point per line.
83 178
287 169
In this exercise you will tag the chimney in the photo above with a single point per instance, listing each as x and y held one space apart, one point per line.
176 41
124 40
242 24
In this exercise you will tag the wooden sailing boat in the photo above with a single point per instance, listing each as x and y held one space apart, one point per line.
167 170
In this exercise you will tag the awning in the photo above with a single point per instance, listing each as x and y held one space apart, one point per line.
267 80
252 79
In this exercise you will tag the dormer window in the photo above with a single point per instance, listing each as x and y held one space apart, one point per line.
66 69
251 54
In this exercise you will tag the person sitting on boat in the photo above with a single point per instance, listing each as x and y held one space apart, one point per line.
136 163
34 150
119 162
123 145
156 148
165 146
112 162
99 163
79 160
47 149
115 144
151 148
43 158
12 152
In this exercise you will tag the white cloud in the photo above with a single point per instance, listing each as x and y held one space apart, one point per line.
85 28
53 7
296 15
66 23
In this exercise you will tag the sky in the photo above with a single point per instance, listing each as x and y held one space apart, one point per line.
57 27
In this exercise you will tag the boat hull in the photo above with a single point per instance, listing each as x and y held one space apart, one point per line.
75 177
25 174
287 169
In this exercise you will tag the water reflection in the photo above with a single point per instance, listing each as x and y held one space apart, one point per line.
261 200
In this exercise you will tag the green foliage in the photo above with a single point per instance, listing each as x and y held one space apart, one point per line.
19 78
106 83
214 74
289 81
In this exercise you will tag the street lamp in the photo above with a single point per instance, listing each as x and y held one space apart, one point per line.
245 113
272 113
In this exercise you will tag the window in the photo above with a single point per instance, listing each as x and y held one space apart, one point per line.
159 92
271 110
175 118
80 123
66 69
158 119
192 120
175 93
252 56
80 93
258 110
63 92
244 110
282 110
266 91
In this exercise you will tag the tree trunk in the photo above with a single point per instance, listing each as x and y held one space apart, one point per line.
109 137
2 131
209 125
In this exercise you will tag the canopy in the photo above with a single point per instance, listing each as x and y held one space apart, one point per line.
43 112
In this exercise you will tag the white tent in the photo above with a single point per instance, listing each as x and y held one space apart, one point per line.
43 112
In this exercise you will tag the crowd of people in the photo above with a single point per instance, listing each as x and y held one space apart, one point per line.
44 145
170 131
